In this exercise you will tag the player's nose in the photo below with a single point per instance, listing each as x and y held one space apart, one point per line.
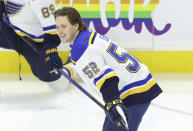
60 31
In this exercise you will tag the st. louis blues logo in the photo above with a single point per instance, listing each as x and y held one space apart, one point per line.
13 8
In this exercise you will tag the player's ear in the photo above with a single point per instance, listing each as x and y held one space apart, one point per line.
76 26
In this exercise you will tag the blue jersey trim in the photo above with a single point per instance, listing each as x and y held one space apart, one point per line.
101 76
49 27
30 35
80 45
138 83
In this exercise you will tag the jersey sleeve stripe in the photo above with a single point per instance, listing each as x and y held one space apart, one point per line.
23 33
69 70
33 39
29 36
137 83
52 32
139 89
108 73
50 29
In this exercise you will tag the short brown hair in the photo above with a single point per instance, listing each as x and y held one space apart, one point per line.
72 15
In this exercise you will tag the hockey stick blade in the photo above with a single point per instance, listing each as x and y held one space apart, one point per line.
123 120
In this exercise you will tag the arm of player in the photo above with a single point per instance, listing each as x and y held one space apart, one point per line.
44 10
114 108
50 52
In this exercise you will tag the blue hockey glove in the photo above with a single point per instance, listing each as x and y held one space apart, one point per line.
117 112
51 57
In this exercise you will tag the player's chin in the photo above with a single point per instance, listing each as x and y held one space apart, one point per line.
63 40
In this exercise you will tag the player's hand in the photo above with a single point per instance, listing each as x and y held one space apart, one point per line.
52 58
117 112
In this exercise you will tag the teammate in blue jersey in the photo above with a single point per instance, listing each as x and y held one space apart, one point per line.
126 85
34 21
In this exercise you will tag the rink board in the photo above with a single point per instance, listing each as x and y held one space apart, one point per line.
157 61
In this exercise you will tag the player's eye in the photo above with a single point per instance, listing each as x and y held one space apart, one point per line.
63 26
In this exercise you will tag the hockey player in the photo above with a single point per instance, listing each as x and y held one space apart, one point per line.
125 83
33 20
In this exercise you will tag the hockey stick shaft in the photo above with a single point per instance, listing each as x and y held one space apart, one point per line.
81 88
66 75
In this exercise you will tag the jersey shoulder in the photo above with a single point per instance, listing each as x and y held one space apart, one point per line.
81 43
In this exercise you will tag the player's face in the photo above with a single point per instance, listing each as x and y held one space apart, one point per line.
65 30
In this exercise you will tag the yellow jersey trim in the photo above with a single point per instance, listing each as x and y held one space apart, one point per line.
139 89
101 82
35 40
71 70
91 37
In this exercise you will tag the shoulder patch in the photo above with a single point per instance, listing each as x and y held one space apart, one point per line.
13 8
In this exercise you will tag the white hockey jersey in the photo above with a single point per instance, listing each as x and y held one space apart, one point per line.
96 58
32 18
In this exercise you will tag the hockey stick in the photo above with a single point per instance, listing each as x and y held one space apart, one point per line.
66 75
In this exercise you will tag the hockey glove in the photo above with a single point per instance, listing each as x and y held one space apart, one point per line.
51 57
117 112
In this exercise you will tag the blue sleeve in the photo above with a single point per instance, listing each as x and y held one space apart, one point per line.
110 89
52 41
